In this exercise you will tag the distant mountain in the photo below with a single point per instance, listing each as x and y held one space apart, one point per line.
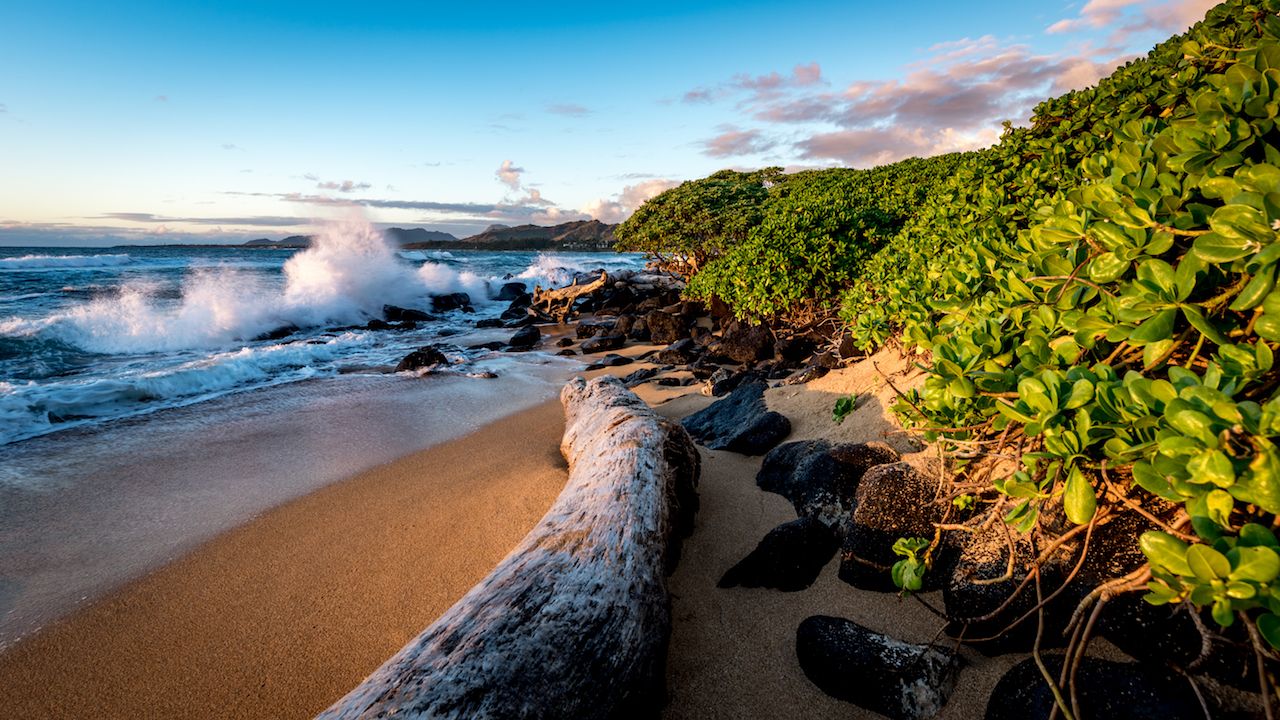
414 236
577 235
293 241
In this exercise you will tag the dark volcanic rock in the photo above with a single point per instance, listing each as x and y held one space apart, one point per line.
806 374
740 422
666 328
891 501
680 352
285 331
1105 689
374 324
399 314
452 301
603 343
564 342
525 337
421 358
489 323
639 330
593 327
789 558
796 349
746 343
495 345
567 352
610 361
519 308
896 679
511 291
639 376
724 381
819 478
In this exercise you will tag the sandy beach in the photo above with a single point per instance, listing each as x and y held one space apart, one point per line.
283 615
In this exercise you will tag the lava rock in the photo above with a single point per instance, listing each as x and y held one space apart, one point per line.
806 374
874 671
639 330
1105 689
666 328
819 478
680 352
745 343
564 342
593 327
724 381
891 501
603 343
495 345
374 324
739 423
511 291
610 361
451 301
489 323
623 324
519 308
286 330
789 558
399 314
421 358
525 337
567 352
795 349
639 376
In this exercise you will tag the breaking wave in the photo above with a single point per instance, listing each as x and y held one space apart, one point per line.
62 262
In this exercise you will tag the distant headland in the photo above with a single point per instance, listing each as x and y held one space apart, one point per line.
579 235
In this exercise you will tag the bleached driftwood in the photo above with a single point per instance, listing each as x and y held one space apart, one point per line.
558 303
574 623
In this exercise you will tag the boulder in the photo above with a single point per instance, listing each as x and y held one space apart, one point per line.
639 330
891 501
495 345
489 323
603 343
899 680
593 327
680 352
796 349
567 352
423 357
724 381
610 361
623 324
399 314
374 324
1105 689
789 558
285 331
739 423
639 376
745 343
511 291
806 374
451 301
819 478
564 342
666 328
525 337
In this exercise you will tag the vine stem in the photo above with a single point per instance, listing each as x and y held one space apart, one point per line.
1035 653
1262 666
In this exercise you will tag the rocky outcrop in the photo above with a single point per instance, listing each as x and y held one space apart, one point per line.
423 357
891 501
451 301
820 478
740 423
526 337
789 558
1104 688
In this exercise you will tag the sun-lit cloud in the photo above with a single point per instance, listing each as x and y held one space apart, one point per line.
344 186
274 221
1128 18
732 142
761 86
508 174
620 206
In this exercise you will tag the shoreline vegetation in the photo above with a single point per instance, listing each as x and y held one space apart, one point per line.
989 434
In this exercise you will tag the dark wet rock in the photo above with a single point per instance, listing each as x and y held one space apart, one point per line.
623 324
423 357
806 374
518 308
702 336
483 375
511 291
746 343
1104 688
740 422
672 381
374 324
891 501
281 333
489 323
796 349
639 330
896 679
564 342
819 478
407 325
525 337
451 301
525 321
666 328
789 558
567 352
680 352
495 345
603 343
610 361
639 376
399 314
724 381
593 327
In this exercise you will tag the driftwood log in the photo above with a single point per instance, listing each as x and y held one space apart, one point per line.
558 303
575 622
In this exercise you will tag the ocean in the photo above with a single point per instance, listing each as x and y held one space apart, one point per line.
144 407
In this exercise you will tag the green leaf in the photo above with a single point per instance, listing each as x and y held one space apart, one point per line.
1207 564
1219 503
1153 482
1107 267
1079 500
1215 248
1165 552
1261 484
1269 627
1158 327
1212 466
1254 564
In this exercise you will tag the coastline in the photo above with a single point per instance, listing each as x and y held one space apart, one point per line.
282 615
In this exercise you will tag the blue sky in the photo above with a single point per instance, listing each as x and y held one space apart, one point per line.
152 122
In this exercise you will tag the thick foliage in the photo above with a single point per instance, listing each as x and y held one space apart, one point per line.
1098 290
815 231
693 223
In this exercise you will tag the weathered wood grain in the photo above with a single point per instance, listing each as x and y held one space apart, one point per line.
574 623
